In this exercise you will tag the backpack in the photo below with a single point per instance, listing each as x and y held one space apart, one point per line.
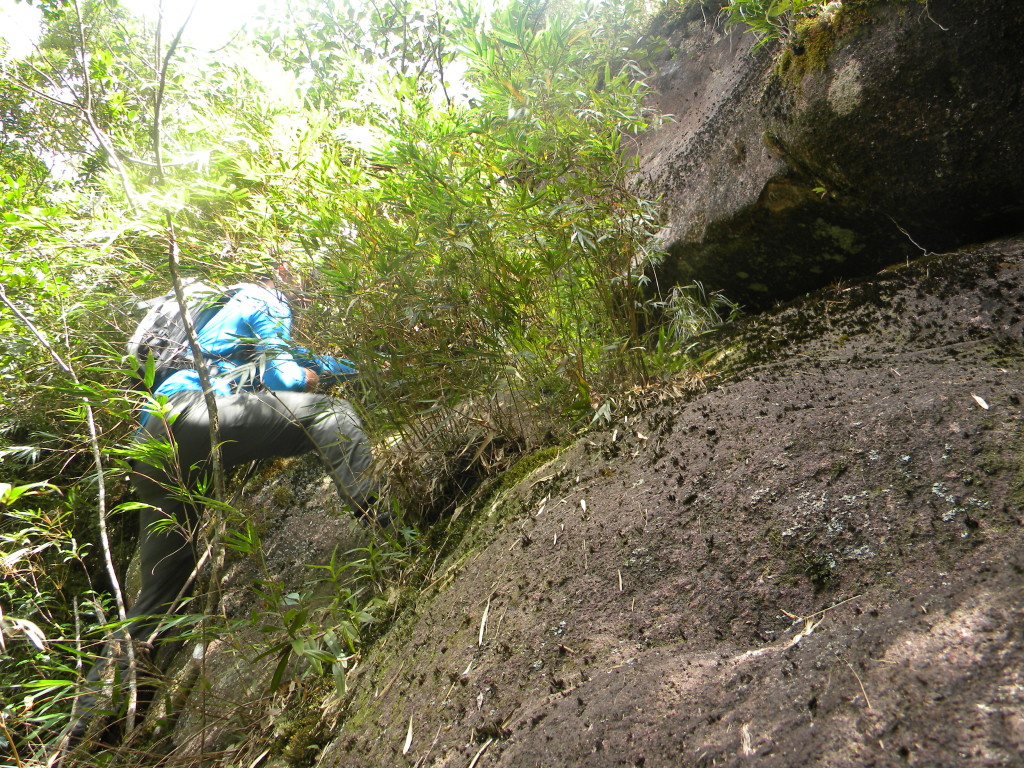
161 335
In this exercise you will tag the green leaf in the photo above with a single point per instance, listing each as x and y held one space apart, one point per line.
279 670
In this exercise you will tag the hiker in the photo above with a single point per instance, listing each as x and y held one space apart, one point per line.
275 413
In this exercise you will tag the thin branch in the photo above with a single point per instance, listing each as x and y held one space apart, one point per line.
90 118
159 99
57 86
928 13
42 94
101 490
160 70
10 741
924 251
174 266
65 740
164 164
439 54
216 458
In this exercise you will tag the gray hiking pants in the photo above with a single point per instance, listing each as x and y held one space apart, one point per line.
253 425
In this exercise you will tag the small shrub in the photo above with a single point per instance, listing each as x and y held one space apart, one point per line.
770 20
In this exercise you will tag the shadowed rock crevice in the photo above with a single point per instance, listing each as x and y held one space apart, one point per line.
888 129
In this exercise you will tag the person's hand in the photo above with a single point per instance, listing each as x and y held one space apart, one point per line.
334 369
312 380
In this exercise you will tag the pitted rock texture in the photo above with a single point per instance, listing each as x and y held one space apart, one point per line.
816 562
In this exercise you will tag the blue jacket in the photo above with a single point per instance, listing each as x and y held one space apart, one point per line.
255 323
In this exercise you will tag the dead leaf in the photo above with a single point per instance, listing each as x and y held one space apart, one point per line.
980 401
408 738
483 622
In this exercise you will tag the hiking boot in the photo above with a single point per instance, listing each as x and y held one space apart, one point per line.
90 713
80 728
376 515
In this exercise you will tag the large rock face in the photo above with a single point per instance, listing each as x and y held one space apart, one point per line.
890 129
817 562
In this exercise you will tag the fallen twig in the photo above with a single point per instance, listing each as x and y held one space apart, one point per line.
867 701
429 749
822 611
480 752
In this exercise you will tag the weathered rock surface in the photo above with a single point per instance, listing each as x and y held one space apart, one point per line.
891 128
815 562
